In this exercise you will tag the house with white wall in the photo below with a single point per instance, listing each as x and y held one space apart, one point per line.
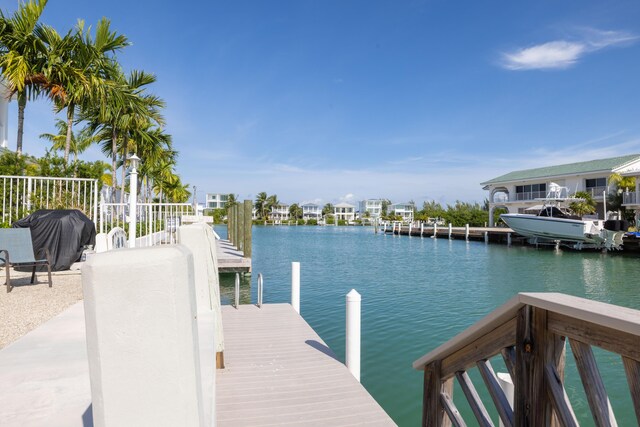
279 213
372 207
216 200
404 210
520 190
311 211
345 212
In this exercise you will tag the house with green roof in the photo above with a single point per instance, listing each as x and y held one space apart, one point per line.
521 191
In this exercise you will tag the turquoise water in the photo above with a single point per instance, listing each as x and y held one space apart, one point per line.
418 293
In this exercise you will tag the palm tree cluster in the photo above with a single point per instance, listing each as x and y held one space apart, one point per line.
80 74
264 203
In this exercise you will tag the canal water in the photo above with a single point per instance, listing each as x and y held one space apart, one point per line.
420 292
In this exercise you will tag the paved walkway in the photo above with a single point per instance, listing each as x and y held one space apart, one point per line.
279 372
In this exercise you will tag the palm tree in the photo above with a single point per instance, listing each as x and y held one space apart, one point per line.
295 211
585 206
272 201
79 68
80 141
260 204
22 57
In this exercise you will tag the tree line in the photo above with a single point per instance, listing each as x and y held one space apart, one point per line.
79 73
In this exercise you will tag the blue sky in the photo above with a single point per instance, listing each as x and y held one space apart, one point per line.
329 101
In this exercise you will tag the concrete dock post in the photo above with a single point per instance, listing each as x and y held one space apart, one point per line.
295 286
410 226
141 322
508 239
450 231
352 351
421 229
466 232
248 228
486 237
435 230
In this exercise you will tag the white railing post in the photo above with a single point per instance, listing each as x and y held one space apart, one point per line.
352 353
295 286
95 201
133 196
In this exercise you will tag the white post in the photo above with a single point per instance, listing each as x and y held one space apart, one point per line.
295 286
486 237
450 231
133 199
435 230
353 333
604 203
506 384
508 239
466 232
410 224
421 228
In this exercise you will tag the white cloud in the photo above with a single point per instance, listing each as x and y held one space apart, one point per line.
561 54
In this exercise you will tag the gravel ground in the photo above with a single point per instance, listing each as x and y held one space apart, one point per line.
27 306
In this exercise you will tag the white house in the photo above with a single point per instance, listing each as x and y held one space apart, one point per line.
216 201
404 210
311 211
518 191
345 212
280 213
371 206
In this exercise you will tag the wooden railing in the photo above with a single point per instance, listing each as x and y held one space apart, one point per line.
530 331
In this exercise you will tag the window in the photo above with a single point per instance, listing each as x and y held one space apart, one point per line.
596 182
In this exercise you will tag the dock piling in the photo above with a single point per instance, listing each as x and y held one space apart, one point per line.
450 231
435 230
466 232
486 237
295 286
248 223
421 229
352 351
508 239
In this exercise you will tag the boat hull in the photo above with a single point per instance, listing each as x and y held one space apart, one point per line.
571 230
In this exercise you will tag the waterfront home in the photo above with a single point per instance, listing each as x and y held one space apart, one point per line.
371 208
311 211
345 212
216 201
520 190
279 213
403 210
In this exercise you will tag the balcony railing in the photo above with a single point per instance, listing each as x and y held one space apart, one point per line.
597 191
530 332
630 198
528 195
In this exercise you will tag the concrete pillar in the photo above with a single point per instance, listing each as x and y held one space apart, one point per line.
295 286
142 337
352 341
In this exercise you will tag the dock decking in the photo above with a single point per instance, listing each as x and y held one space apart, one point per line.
279 372
231 260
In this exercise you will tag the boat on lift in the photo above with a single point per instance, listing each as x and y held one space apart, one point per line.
555 223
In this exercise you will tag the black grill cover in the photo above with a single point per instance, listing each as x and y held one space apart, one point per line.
64 232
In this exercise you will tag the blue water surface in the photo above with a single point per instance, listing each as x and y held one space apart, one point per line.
419 292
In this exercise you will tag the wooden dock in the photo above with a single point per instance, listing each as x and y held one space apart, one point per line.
231 260
279 372
502 235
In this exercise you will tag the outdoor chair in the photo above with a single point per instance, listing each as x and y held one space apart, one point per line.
16 250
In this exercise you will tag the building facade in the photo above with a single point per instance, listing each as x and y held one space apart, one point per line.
280 213
371 208
344 212
521 191
216 201
311 211
403 210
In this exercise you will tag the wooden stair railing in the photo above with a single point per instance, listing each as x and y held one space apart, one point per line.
530 332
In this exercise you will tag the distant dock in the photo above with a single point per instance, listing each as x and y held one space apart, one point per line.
231 260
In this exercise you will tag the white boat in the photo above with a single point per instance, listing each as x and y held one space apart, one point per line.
556 224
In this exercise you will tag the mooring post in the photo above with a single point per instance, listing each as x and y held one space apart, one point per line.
248 223
352 353
410 226
508 239
435 230
450 230
295 286
486 237
240 228
230 224
466 232
421 228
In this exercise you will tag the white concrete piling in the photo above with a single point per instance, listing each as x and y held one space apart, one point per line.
352 353
142 337
508 239
466 232
486 237
410 226
435 230
295 286
450 231
421 229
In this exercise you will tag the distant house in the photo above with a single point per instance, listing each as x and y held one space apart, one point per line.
216 201
404 210
280 213
517 191
345 212
372 207
311 211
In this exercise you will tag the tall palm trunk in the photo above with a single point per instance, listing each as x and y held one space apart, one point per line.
114 163
22 103
67 144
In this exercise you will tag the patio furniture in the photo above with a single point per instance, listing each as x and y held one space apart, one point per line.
16 250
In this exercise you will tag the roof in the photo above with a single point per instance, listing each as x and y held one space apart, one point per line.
344 205
568 169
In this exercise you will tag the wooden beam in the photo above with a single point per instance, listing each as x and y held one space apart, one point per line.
495 391
433 413
632 369
484 347
559 398
480 412
451 410
616 341
593 386
509 356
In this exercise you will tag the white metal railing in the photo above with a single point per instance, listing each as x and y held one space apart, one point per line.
156 223
22 195
597 191
630 198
